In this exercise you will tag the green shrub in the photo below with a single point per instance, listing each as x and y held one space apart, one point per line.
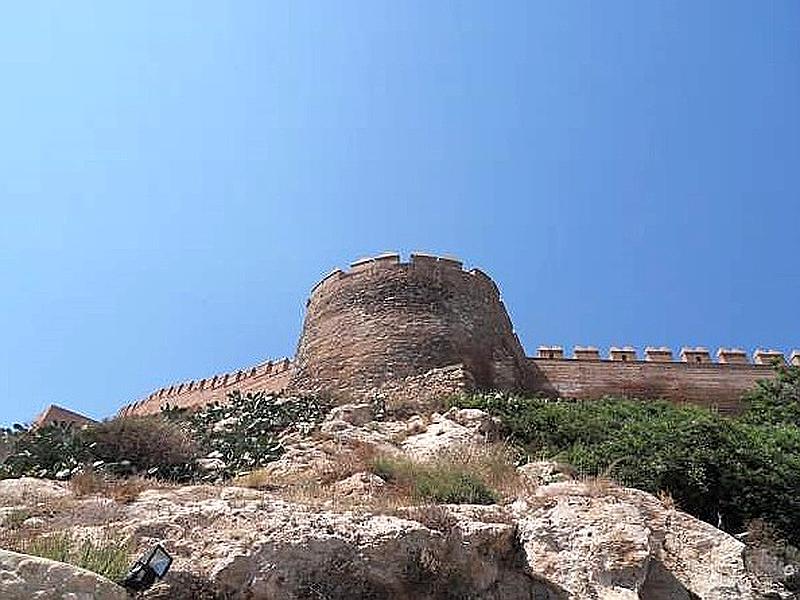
775 401
437 481
722 470
243 432
53 452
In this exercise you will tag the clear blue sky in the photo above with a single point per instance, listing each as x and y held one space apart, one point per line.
176 175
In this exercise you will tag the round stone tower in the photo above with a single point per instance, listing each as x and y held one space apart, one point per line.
384 323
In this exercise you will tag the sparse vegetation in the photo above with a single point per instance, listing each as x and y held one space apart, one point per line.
436 481
88 482
153 445
724 470
212 444
109 556
243 433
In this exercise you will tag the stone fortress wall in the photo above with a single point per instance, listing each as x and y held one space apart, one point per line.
385 320
408 331
270 376
695 378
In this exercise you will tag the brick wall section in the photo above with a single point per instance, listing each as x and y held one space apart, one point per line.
384 321
706 384
269 376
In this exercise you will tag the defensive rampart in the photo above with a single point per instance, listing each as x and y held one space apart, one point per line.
268 376
695 378
406 332
384 321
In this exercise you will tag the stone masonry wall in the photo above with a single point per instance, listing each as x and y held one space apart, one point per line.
407 333
422 392
384 321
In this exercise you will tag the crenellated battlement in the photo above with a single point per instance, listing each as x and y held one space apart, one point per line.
209 388
692 375
396 329
422 264
385 319
663 354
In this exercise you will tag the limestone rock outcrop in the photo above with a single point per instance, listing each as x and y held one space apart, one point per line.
561 540
625 544
566 541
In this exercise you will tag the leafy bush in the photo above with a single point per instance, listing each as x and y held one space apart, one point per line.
775 401
235 438
723 470
438 481
52 452
244 432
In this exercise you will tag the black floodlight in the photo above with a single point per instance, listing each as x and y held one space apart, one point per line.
145 571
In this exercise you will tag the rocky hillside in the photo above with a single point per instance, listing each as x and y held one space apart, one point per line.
432 507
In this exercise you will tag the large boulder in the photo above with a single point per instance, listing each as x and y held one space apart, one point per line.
601 541
257 547
24 577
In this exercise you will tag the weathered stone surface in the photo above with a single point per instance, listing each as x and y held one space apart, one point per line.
27 489
257 547
354 414
566 539
424 392
385 321
621 543
24 577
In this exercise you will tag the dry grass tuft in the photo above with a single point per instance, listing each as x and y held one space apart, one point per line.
108 555
473 473
667 500
597 485
87 482
123 490
495 464
355 458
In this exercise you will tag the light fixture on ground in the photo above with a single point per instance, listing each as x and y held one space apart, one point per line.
148 569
